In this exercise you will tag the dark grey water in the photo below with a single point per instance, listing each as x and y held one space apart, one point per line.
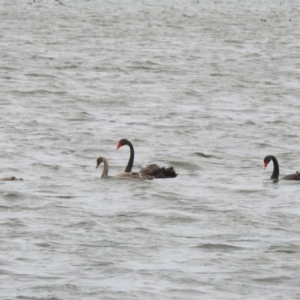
208 87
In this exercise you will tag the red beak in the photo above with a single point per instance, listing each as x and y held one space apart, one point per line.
265 165
119 145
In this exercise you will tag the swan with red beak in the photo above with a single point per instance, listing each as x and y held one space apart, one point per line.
152 170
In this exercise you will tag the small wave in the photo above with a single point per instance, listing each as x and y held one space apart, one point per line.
3 207
11 196
278 279
39 75
219 75
66 67
40 91
206 155
249 123
137 123
43 245
284 249
37 298
82 225
64 197
218 247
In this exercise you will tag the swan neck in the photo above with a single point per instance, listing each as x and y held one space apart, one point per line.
105 168
131 158
275 174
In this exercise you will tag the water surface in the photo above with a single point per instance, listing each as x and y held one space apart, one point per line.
209 87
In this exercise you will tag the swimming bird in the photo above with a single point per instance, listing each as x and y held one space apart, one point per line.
131 175
152 170
12 178
275 174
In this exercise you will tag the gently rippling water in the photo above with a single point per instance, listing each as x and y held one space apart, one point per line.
209 87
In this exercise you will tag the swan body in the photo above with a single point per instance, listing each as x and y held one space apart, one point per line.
275 174
12 178
155 171
152 170
134 175
131 175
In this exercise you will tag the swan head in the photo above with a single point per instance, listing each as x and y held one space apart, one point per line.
267 159
122 142
100 160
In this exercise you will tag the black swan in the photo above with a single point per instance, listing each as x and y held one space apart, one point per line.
132 175
275 174
12 178
152 170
